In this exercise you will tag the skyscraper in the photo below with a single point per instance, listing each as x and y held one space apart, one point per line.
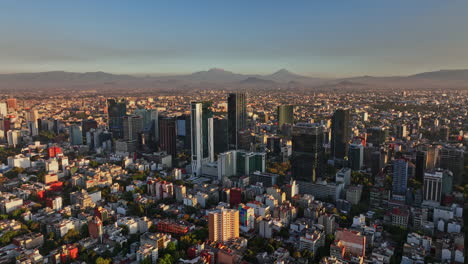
132 125
400 176
341 133
167 135
11 104
237 117
116 110
223 224
356 156
201 122
3 109
433 186
420 165
452 159
307 152
285 115
76 136
220 135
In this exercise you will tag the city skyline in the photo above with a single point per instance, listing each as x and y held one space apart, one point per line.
312 39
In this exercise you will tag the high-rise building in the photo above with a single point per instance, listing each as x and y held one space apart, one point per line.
433 187
11 104
202 135
13 137
237 117
452 159
356 156
432 156
132 125
420 165
220 135
400 176
401 131
341 132
87 125
183 130
376 162
285 115
3 109
246 217
376 135
95 228
167 135
76 136
307 152
116 110
223 224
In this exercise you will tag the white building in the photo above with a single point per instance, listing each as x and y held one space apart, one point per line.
19 161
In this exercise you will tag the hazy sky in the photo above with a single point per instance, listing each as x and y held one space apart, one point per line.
317 38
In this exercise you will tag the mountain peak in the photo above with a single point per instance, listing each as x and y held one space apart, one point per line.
217 70
282 71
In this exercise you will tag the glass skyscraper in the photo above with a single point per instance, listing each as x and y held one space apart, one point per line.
307 152
116 110
341 133
237 117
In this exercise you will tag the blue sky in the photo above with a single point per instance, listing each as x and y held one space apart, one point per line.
317 38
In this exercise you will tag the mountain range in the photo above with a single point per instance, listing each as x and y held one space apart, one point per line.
436 79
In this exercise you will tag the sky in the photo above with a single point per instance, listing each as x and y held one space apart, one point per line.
315 38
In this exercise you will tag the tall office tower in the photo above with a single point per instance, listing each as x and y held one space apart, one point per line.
88 124
444 133
237 117
401 131
13 137
341 133
5 126
144 114
220 135
307 152
31 117
356 156
452 159
420 165
167 135
285 115
3 109
400 176
116 110
183 130
11 104
376 135
432 186
223 224
377 162
76 135
132 125
32 127
432 156
154 124
201 134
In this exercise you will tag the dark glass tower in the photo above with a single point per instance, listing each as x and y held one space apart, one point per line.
285 115
237 117
220 135
116 110
420 165
341 133
167 135
307 152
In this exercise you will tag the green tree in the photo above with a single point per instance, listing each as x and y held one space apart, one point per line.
102 260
